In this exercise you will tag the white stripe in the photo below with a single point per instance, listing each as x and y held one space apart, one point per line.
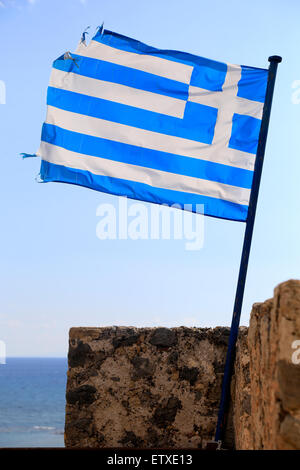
215 98
155 178
145 62
248 107
226 110
148 139
117 93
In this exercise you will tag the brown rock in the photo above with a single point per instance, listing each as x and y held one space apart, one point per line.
290 431
289 385
266 393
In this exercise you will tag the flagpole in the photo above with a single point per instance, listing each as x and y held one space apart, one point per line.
230 357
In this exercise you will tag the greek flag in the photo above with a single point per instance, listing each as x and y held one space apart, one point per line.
156 125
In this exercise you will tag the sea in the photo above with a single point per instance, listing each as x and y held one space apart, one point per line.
32 402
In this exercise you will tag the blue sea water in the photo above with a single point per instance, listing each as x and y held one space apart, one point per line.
32 402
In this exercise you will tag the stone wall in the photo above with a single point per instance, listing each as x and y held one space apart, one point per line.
160 387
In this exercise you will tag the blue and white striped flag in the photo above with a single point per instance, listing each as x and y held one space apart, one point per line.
156 125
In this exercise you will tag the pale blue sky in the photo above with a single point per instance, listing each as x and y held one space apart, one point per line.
55 272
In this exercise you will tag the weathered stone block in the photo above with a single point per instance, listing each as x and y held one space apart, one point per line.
144 387
270 417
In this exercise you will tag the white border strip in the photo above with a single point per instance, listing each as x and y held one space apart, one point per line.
155 178
117 93
144 62
147 139
122 133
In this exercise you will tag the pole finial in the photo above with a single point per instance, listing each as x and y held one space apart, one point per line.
275 58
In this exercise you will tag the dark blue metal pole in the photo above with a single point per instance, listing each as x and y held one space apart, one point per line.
229 365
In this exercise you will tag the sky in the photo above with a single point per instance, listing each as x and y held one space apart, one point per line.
55 272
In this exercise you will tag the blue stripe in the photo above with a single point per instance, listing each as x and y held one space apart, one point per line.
245 133
211 79
208 74
115 73
198 123
120 187
116 151
253 84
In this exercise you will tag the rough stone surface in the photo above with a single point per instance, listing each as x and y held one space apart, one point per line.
160 388
266 395
144 387
240 392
